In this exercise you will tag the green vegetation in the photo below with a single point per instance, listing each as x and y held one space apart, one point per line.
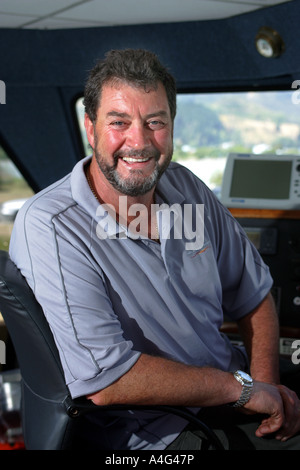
212 125
197 125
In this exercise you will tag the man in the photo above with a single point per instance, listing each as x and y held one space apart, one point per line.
134 306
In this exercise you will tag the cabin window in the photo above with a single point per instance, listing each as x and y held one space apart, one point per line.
210 126
14 191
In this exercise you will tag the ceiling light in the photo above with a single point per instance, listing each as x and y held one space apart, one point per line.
269 43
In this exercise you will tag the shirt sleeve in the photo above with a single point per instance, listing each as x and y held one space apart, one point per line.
243 275
72 293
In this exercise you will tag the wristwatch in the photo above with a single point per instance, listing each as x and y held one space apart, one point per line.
247 383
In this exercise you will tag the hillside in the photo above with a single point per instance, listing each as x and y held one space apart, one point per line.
268 119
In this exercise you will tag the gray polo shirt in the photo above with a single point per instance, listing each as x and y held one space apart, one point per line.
110 295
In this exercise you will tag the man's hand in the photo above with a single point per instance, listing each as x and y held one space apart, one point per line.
266 399
291 405
282 407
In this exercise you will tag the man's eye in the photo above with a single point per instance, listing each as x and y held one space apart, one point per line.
155 125
118 124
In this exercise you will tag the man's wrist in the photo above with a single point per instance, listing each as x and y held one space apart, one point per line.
247 386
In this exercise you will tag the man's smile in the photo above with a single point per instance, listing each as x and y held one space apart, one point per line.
135 160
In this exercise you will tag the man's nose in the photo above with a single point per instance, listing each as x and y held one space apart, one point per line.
138 136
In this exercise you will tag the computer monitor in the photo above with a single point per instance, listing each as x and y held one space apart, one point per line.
261 181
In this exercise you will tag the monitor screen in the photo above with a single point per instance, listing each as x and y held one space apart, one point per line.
263 179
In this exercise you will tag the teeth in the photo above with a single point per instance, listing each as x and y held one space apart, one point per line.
134 160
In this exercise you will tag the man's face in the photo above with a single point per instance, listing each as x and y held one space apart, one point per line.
132 136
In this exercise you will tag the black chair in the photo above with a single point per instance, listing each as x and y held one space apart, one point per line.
51 419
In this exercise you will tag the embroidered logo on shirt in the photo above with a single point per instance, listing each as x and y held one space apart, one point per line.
200 251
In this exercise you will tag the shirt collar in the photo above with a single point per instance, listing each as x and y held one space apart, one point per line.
165 193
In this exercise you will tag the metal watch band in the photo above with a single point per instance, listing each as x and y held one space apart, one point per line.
247 384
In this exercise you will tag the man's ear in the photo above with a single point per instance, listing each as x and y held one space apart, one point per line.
89 129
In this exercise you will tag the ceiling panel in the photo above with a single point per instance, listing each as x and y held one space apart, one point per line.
45 14
14 21
156 11
62 23
36 8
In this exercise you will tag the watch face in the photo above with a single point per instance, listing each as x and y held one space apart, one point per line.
244 376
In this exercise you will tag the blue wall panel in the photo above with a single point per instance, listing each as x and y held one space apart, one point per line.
44 69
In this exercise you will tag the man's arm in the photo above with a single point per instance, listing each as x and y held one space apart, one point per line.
157 381
260 332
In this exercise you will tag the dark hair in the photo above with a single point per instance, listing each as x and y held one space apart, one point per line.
135 66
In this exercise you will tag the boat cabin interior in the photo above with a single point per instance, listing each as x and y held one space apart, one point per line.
237 71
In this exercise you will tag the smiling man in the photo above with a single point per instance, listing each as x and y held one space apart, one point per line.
131 138
137 319
131 134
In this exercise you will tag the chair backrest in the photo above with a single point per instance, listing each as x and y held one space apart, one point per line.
51 420
46 425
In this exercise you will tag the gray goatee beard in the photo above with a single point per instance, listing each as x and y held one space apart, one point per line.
135 184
